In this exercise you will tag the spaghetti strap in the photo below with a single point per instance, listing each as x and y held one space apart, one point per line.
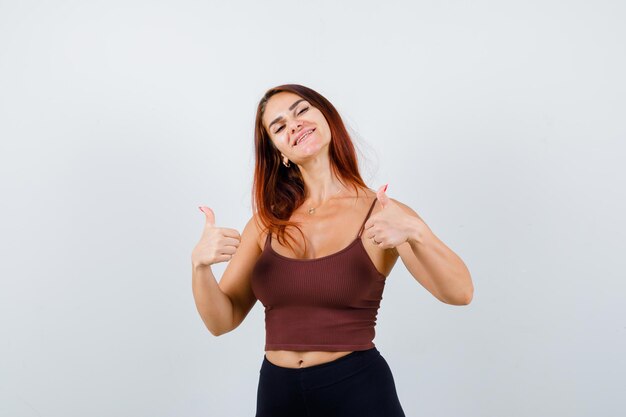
367 217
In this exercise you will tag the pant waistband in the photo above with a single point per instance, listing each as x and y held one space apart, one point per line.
324 374
347 360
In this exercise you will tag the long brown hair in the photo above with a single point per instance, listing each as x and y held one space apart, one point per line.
278 190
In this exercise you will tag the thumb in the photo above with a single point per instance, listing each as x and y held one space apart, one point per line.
210 216
382 197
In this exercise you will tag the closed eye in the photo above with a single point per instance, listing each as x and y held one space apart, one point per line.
299 113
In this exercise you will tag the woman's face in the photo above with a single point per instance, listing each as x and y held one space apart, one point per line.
287 118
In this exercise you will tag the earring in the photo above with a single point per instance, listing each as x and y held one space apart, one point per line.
287 164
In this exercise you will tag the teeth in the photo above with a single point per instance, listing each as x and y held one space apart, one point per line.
304 136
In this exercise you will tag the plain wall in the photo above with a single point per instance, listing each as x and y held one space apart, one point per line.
500 123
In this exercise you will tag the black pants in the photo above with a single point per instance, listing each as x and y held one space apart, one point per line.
358 384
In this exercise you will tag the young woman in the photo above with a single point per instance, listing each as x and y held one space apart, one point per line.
316 253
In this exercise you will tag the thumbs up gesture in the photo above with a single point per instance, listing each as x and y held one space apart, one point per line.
217 244
392 225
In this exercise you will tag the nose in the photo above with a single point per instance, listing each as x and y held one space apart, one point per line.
295 125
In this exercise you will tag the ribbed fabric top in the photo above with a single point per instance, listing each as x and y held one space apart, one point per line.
326 304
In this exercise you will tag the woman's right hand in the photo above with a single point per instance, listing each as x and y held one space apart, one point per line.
217 244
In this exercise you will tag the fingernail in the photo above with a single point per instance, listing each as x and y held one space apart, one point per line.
201 209
385 187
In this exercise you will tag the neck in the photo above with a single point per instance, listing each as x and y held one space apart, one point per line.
319 181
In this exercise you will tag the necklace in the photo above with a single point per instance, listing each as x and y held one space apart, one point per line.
312 209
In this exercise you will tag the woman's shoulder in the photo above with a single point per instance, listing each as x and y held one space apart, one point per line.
369 196
254 229
365 194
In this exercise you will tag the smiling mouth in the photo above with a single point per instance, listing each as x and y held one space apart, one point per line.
303 137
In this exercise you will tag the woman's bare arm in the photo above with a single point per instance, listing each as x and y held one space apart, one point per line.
224 306
433 264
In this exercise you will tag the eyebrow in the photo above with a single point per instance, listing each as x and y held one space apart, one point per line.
279 118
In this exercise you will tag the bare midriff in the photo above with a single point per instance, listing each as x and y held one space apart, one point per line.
296 359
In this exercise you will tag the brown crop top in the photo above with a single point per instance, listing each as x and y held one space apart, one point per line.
326 304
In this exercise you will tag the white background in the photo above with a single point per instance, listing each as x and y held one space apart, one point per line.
501 123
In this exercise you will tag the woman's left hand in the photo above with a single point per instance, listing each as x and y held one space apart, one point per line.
391 226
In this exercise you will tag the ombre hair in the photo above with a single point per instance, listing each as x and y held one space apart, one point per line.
278 190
